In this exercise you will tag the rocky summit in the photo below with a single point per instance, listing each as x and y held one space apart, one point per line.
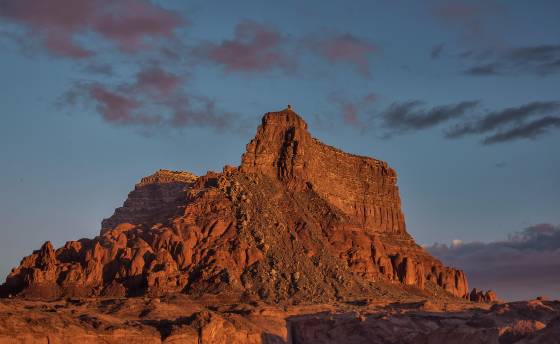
300 243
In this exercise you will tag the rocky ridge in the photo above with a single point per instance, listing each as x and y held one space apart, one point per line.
297 221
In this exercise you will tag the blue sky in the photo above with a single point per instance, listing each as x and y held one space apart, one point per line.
89 105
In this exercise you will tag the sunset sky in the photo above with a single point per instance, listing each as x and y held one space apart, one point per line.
461 98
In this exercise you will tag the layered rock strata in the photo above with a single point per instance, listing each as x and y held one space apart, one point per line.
297 220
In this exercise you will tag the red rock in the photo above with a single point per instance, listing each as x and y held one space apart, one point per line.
181 319
363 188
295 207
483 297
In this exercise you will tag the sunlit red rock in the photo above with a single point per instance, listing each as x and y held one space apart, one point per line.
297 220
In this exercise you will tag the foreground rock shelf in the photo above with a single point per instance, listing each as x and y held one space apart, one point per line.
180 319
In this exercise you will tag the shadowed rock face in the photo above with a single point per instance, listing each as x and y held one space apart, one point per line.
298 220
154 200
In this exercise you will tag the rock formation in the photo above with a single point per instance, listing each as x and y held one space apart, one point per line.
297 220
153 200
480 296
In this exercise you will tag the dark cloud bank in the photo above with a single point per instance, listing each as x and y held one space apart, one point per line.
540 60
527 121
415 115
467 118
524 266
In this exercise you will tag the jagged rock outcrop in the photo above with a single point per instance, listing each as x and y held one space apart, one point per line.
297 220
480 296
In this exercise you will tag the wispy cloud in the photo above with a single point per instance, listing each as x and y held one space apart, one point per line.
257 48
148 34
484 70
352 111
521 267
500 164
467 118
472 19
510 123
153 97
530 130
60 24
540 60
343 48
254 48
156 99
437 51
99 68
415 115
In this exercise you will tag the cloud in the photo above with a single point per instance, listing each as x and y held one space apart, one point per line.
471 18
60 24
527 121
500 164
344 48
529 130
352 111
156 99
115 107
521 267
254 48
257 48
142 33
99 68
540 60
484 69
510 123
156 82
437 50
413 115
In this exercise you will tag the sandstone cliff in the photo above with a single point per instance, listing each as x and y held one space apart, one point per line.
298 220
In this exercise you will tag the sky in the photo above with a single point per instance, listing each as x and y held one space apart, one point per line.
460 97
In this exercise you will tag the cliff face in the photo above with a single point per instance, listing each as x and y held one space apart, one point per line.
298 220
365 189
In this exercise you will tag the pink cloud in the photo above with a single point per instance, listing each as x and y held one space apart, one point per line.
370 98
118 108
254 48
466 15
350 115
156 99
129 22
157 82
351 110
59 23
257 48
345 48
471 18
